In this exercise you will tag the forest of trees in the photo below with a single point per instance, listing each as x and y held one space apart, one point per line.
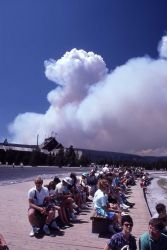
63 157
69 157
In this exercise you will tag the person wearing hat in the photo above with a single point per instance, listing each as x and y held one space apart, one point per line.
57 204
153 239
62 188
63 193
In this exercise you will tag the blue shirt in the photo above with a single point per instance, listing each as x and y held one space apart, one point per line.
118 241
147 243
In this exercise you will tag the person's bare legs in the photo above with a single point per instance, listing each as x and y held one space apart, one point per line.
50 216
32 217
67 203
118 218
64 215
77 199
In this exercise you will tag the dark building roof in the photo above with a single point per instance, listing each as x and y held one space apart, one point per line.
50 144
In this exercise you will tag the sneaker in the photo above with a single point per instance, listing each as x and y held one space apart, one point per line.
125 206
69 225
46 229
63 226
54 225
124 213
31 234
130 204
35 230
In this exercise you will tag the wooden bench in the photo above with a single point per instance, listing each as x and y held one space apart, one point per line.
100 224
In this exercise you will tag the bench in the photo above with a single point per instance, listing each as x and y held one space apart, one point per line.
100 224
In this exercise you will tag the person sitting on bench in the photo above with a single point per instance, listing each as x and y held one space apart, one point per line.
38 211
101 204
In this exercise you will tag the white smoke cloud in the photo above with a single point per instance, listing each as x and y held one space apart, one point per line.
75 72
162 48
124 110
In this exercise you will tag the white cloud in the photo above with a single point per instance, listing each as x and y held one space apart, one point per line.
75 72
162 48
124 110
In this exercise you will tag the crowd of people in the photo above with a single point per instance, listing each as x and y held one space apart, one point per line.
55 206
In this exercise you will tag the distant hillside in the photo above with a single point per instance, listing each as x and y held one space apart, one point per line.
95 155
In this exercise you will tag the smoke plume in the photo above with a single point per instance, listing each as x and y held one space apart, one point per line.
123 110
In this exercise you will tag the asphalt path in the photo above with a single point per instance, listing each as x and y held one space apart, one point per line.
10 175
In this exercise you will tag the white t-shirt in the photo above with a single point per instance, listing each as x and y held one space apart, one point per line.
61 189
38 196
100 199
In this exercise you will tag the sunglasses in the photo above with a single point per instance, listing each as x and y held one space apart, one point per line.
128 224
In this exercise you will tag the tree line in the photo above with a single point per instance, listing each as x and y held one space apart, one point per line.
62 157
70 157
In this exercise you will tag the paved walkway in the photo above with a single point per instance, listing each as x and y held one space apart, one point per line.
139 212
15 227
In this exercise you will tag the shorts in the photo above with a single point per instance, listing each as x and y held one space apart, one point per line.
106 214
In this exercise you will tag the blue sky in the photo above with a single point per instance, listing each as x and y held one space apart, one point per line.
34 31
